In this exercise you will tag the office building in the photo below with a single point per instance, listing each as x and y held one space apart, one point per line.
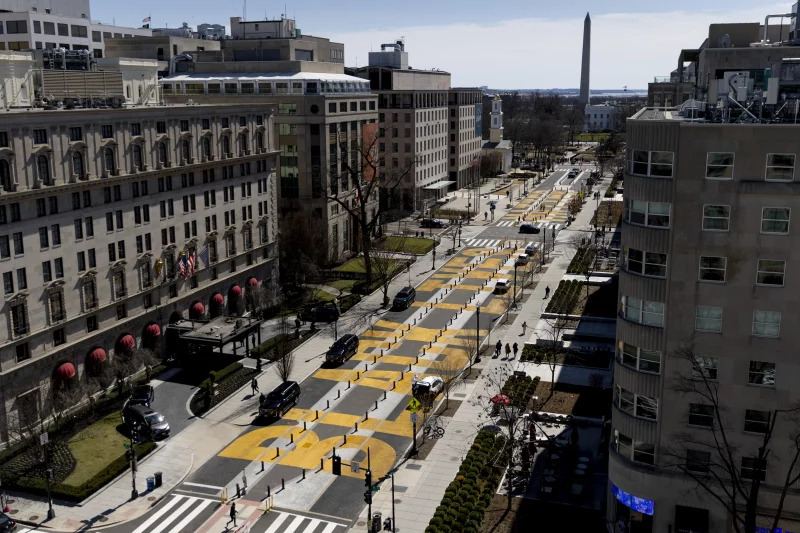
42 24
325 120
708 295
429 131
116 221
602 117
211 31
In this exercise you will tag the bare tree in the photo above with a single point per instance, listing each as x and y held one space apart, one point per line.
721 477
574 120
554 332
302 249
451 371
284 357
491 164
365 173
387 263
470 346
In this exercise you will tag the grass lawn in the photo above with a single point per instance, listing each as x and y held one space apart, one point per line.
318 295
411 245
354 265
592 137
342 284
95 448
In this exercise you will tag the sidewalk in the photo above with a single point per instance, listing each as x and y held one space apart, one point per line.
422 482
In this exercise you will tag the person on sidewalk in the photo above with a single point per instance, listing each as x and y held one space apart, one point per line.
508 350
254 386
547 292
516 349
497 348
524 327
233 515
296 323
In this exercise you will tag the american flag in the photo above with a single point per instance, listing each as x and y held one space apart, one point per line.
475 161
182 264
190 261
186 264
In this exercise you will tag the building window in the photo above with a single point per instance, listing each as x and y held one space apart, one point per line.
716 217
186 151
761 373
77 164
162 153
206 148
138 163
118 282
226 145
704 367
766 323
719 165
40 136
56 301
646 263
708 319
712 268
756 421
771 272
19 318
638 358
108 160
643 312
6 181
43 168
653 214
640 452
146 273
122 311
698 461
701 415
780 167
8 283
775 220
655 164
635 404
753 468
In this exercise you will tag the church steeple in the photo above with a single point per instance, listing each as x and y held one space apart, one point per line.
496 120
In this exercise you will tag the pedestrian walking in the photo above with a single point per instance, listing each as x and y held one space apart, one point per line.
524 327
233 514
296 323
547 292
254 386
497 348
485 214
508 350
516 349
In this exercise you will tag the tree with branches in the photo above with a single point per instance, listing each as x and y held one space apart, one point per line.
712 458
387 263
554 328
490 166
365 173
451 372
284 356
574 121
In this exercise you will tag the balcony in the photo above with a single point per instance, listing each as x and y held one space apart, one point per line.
91 303
20 330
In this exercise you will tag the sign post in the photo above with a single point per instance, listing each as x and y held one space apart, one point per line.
414 405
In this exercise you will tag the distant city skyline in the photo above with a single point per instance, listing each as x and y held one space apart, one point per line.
520 46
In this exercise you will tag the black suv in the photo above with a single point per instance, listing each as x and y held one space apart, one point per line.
149 423
432 223
142 395
404 298
278 402
328 312
343 349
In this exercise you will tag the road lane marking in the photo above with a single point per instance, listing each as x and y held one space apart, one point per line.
150 521
191 516
202 485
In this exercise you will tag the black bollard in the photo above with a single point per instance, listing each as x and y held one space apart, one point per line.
283 484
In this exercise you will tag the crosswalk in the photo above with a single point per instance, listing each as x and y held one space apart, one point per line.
483 243
506 223
283 522
175 515
544 224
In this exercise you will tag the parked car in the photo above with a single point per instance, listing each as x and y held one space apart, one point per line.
278 402
529 228
6 524
522 260
530 250
432 223
149 423
501 286
405 298
327 312
142 395
427 388
343 349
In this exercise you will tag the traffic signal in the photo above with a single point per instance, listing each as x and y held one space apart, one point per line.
336 465
129 455
368 484
368 496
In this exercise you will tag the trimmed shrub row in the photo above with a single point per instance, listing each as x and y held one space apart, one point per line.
545 354
77 493
520 390
468 496
565 298
267 351
583 261
204 398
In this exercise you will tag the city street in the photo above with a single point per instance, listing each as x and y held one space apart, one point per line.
359 406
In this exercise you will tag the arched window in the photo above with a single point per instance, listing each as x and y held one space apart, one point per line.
43 167
243 143
185 151
77 164
5 175
108 158
137 157
162 152
207 147
260 141
226 145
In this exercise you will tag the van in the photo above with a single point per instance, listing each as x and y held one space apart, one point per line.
278 402
501 286
404 298
343 349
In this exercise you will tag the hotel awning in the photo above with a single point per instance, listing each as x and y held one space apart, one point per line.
438 185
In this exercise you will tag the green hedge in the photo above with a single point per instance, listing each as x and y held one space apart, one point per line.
266 349
583 261
468 496
230 383
546 354
348 302
520 390
80 492
565 298
217 376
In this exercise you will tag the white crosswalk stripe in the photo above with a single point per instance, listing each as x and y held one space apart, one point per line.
179 508
293 523
506 223
483 243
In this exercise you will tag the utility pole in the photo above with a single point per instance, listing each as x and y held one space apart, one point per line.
368 483
514 299
477 339
394 519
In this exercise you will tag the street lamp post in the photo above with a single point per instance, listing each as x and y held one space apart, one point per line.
514 300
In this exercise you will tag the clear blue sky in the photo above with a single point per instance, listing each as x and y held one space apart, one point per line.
503 44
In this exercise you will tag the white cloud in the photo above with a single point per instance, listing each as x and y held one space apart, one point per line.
627 48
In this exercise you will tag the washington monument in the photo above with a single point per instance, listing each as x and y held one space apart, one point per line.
587 45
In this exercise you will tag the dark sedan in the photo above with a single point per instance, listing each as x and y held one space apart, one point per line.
529 228
432 223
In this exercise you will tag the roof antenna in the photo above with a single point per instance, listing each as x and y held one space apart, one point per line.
244 10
